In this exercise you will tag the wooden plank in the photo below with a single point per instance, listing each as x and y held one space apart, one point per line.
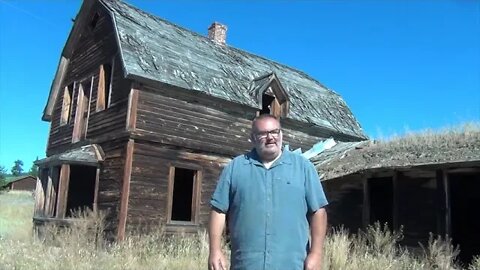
48 194
63 184
196 196
396 200
171 182
79 121
125 190
101 90
54 173
95 195
448 209
132 110
39 198
366 203
440 201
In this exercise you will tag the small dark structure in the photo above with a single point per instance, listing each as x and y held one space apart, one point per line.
24 182
144 114
426 183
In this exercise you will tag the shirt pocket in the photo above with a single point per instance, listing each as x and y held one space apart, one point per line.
290 189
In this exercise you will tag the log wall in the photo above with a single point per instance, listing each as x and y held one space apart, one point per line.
110 183
148 200
200 123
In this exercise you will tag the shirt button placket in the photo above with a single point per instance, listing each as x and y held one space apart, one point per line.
268 232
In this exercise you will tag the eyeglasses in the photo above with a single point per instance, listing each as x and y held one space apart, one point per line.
264 134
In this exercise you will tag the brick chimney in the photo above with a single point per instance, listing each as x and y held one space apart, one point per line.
217 32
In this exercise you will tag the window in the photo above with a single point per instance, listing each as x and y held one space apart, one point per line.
67 104
104 87
82 112
184 195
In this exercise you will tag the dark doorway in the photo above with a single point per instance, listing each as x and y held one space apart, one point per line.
380 191
81 189
183 186
465 198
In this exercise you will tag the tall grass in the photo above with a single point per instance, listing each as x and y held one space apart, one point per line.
78 247
16 210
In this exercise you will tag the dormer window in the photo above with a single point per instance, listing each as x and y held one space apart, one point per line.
271 96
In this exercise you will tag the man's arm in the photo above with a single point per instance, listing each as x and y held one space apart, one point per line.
318 229
216 259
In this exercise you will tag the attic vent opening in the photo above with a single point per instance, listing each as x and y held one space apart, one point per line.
94 21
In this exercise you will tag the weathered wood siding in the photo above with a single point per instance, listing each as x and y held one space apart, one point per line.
149 182
201 123
345 198
95 47
110 183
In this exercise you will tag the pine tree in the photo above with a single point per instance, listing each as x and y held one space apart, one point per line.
17 168
34 169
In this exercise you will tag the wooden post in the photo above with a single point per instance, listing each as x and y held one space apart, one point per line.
171 183
63 184
95 195
132 110
39 197
197 187
448 214
366 203
127 172
54 177
396 176
48 194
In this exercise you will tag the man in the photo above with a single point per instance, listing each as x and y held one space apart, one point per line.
271 198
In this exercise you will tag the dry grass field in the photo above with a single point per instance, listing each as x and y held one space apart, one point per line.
16 210
78 247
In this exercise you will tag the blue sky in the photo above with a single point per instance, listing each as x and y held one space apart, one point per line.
400 65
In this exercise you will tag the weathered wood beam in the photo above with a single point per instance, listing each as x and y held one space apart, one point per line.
171 182
48 194
448 209
63 184
127 172
95 195
366 203
196 196
39 198
132 109
396 200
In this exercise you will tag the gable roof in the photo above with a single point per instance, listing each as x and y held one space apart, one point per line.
155 50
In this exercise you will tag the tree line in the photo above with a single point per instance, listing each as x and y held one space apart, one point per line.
16 170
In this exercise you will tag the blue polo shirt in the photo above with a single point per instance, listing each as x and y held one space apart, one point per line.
267 210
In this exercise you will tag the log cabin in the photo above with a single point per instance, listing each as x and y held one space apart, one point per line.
144 114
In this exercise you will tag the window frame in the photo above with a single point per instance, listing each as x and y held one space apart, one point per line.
196 194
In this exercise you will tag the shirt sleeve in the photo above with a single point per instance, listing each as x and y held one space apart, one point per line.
221 197
314 194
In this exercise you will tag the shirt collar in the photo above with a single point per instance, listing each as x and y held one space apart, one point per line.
253 158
